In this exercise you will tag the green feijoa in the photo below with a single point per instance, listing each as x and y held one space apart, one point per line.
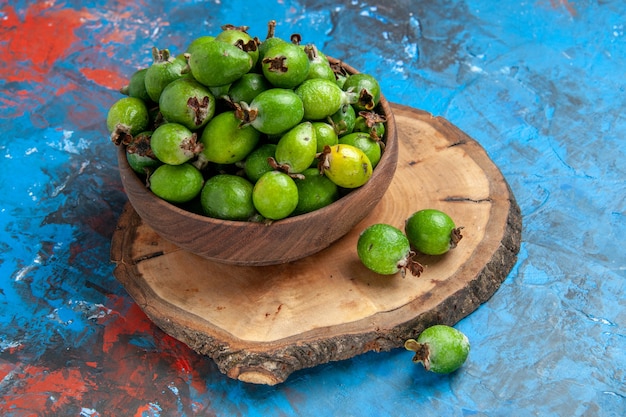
225 141
246 88
257 162
324 135
343 120
217 63
345 165
227 197
197 43
176 183
272 111
174 144
440 348
275 195
319 67
187 102
385 250
363 141
270 40
322 70
164 70
139 154
127 117
314 191
285 65
321 98
432 232
238 37
296 149
366 88
370 122
263 48
136 86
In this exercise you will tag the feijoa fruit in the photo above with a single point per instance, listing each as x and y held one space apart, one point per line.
441 349
385 250
432 232
176 183
227 197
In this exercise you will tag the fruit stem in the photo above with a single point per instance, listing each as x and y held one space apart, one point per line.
296 38
311 52
271 29
284 168
422 352
233 27
349 97
186 69
200 162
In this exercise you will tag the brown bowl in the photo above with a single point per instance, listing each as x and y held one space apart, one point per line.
256 244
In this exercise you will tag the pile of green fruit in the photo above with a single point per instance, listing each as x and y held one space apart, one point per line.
386 250
241 129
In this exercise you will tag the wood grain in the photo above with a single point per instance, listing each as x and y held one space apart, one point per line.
261 323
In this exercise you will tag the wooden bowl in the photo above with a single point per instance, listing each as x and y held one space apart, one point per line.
256 244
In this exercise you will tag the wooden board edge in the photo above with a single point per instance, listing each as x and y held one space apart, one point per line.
272 363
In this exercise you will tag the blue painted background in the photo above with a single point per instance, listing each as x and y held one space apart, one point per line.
540 84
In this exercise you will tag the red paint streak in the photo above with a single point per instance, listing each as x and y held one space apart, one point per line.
564 3
125 323
119 35
105 77
15 102
169 356
42 37
45 389
132 370
147 410
33 44
65 89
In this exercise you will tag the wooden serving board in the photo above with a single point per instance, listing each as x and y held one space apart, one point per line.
260 324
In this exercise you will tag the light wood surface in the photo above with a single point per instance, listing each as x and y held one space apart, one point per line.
261 323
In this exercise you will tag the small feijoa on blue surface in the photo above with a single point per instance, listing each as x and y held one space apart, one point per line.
441 349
